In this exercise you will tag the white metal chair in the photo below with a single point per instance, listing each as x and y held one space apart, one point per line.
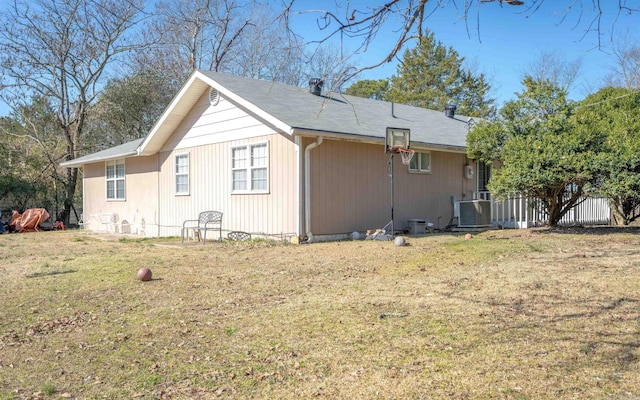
207 221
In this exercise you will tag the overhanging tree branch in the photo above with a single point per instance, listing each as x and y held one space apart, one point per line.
411 16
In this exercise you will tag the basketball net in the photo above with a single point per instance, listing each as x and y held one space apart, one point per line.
406 155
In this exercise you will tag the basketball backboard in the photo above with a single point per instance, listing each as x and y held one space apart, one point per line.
397 138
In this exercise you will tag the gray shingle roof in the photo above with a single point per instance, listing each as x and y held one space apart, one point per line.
344 114
331 113
123 150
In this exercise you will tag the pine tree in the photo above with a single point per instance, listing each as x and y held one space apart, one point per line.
369 89
432 76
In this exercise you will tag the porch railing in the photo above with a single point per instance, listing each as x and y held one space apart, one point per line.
522 212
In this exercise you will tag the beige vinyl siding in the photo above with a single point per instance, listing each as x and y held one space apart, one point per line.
351 188
428 196
207 124
272 213
207 134
139 210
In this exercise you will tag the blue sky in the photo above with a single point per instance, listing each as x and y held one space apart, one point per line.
499 40
502 40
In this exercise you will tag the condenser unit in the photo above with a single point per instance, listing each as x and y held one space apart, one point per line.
474 213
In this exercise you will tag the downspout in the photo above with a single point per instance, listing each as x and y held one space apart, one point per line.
307 186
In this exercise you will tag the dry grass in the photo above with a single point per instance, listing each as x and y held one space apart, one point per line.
507 314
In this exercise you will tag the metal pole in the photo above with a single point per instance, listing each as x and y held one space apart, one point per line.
392 199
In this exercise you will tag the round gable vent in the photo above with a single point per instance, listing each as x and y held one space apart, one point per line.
214 96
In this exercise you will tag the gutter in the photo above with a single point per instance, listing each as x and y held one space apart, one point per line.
78 162
415 144
307 186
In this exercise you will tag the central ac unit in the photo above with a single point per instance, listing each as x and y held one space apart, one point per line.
474 213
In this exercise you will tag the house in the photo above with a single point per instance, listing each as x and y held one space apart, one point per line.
279 161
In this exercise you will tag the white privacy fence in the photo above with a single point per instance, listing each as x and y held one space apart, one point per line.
522 212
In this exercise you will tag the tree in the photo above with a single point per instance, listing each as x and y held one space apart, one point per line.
62 50
127 109
553 67
613 113
542 155
15 189
241 37
409 18
266 51
370 89
626 71
326 63
190 35
30 152
432 76
476 98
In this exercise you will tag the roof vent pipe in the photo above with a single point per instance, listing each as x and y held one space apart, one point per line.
450 110
315 86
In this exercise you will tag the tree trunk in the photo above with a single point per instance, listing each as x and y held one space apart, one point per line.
70 191
554 214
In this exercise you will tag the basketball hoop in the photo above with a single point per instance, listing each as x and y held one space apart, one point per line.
406 154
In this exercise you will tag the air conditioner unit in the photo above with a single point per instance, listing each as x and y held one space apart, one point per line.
474 213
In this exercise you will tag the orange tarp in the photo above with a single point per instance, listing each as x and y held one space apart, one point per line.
29 220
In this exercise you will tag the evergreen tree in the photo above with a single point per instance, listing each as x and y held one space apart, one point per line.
432 76
370 89
613 113
543 155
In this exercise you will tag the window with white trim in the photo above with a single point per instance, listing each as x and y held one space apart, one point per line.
182 173
250 168
115 178
421 162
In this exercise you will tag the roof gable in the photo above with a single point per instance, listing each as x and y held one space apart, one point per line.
183 102
296 111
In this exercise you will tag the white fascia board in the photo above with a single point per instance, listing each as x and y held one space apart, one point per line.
143 148
79 162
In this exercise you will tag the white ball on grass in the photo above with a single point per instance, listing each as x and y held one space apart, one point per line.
400 241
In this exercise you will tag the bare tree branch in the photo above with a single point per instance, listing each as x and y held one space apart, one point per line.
61 50
409 19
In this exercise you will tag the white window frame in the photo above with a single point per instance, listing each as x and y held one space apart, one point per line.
177 174
115 179
250 168
417 157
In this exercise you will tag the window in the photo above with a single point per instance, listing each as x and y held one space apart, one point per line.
250 168
484 175
115 180
421 162
182 173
